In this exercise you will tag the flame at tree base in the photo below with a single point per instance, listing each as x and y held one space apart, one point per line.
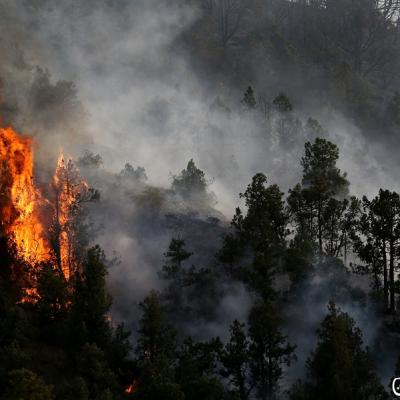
38 239
20 201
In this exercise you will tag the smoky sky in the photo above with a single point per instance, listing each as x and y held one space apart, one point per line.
146 105
137 98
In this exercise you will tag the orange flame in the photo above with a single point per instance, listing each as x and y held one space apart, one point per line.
69 188
132 387
22 205
20 210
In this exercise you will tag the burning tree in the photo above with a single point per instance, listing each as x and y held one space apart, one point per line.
41 229
20 201
70 193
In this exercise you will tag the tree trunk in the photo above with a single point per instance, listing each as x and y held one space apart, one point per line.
391 277
385 280
320 227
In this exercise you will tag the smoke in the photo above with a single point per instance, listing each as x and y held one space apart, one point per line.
139 97
140 100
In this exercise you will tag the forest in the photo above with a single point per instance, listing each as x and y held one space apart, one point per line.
199 199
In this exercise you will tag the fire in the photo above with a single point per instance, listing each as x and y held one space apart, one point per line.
38 237
132 387
20 200
67 191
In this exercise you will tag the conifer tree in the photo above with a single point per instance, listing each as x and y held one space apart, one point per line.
310 203
156 352
340 367
269 349
260 233
235 358
91 302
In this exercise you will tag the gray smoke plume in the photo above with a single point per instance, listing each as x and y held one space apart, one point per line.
140 96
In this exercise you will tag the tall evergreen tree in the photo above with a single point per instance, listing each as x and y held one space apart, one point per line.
91 302
197 370
174 272
269 349
310 202
340 368
235 358
52 304
192 184
378 244
156 352
259 235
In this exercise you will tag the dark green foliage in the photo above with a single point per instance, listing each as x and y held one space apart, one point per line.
317 213
299 258
191 182
24 384
320 173
175 255
253 251
269 349
91 302
197 370
340 363
63 338
76 389
156 352
52 303
166 371
265 222
380 227
158 382
92 366
235 358
157 338
186 284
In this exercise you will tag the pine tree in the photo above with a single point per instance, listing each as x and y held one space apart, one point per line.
380 226
269 349
235 358
92 365
91 302
260 233
197 371
340 368
190 181
157 338
156 353
52 306
310 203
177 276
